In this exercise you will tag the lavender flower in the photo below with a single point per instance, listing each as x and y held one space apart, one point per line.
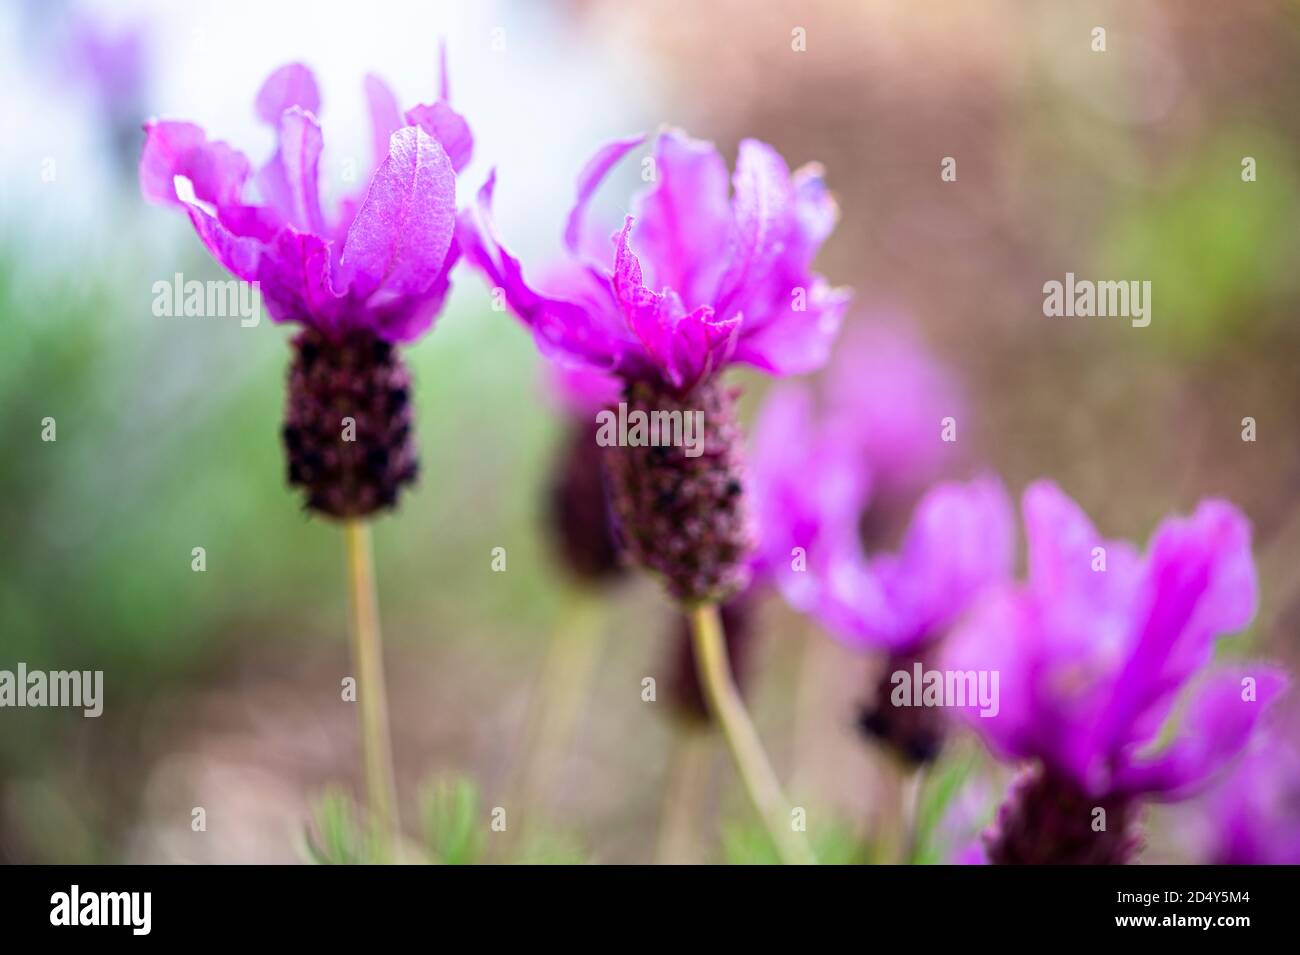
816 475
369 277
114 67
1096 653
723 281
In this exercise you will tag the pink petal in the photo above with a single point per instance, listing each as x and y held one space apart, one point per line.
295 278
684 221
1199 584
400 237
215 170
592 175
763 206
290 85
385 115
796 343
1217 725
564 330
448 127
290 180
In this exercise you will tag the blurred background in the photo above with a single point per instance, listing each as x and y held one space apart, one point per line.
222 687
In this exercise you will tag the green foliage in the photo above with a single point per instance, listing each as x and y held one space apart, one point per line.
453 827
551 848
337 835
1218 251
938 790
454 832
834 842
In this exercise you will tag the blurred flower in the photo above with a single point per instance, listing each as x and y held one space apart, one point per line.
1253 813
113 62
374 275
114 67
815 477
886 398
1092 655
581 522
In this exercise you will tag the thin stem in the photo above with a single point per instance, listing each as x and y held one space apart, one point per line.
746 749
911 784
559 695
368 660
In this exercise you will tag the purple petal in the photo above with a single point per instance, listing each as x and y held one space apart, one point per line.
792 315
216 171
1216 727
564 330
805 492
290 180
685 348
592 175
684 222
290 85
1002 636
233 233
796 343
295 279
763 206
385 115
960 542
1199 584
400 237
888 396
581 391
448 127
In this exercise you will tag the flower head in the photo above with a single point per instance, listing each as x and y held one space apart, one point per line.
694 280
379 264
815 477
1102 646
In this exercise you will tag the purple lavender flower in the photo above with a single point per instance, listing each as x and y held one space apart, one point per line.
1094 654
372 275
723 280
816 475
714 280
379 265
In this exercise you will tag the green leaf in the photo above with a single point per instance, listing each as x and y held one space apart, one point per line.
943 782
453 831
336 836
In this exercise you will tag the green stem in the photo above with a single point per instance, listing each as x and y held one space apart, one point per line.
367 659
559 695
729 710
